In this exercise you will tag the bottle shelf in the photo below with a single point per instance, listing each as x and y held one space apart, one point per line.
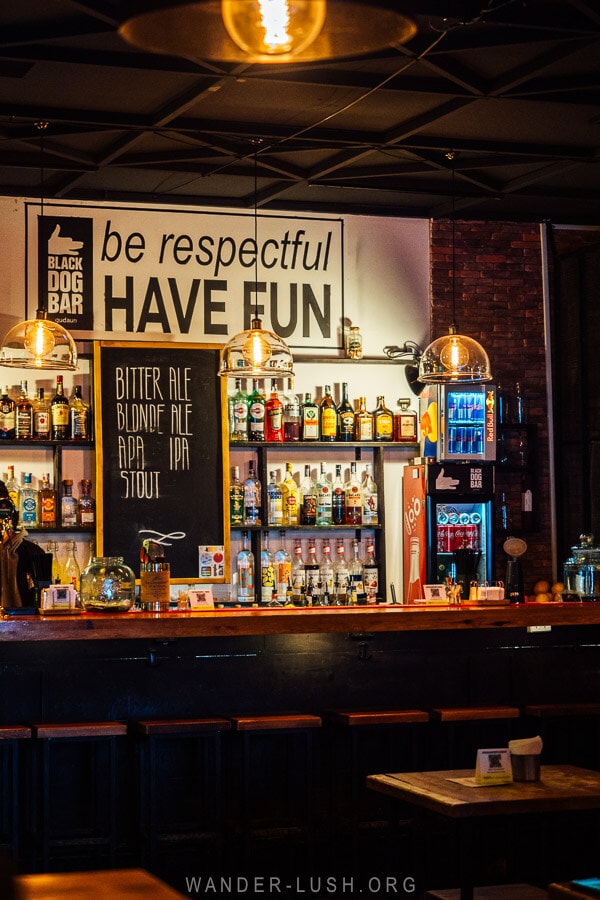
319 528
63 529
34 444
331 445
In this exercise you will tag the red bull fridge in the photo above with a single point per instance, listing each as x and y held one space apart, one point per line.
458 422
447 524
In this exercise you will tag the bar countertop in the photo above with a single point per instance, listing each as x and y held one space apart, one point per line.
258 621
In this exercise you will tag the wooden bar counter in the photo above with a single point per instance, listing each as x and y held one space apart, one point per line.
261 621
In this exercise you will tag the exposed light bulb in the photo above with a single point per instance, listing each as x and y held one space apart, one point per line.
268 28
454 355
256 350
39 341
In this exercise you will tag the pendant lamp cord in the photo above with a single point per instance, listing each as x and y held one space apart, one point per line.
256 229
41 126
453 245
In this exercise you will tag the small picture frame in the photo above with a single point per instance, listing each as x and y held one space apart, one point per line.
435 592
201 599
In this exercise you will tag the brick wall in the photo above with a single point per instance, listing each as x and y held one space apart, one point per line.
498 300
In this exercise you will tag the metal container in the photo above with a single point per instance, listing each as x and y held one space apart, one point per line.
525 767
582 570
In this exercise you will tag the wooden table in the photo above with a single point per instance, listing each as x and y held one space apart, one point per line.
561 788
118 884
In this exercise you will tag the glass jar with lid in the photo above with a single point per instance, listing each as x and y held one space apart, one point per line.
582 570
107 584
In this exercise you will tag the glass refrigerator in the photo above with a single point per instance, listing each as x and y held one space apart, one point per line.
458 422
447 524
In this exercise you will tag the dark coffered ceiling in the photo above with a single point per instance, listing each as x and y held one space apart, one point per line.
493 108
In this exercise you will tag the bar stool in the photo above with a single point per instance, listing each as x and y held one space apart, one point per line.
365 742
179 788
76 788
458 732
271 787
570 731
10 787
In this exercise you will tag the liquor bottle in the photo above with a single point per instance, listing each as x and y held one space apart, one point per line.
59 412
371 573
290 496
12 486
338 498
7 510
328 417
405 423
274 501
283 570
57 567
86 505
252 496
71 572
68 505
256 413
308 499
519 412
326 574
370 506
324 498
7 416
23 415
292 419
354 343
353 494
310 419
47 504
236 499
504 516
363 422
311 574
42 423
79 417
274 416
383 422
245 572
340 575
345 417
28 511
238 413
355 570
298 575
268 585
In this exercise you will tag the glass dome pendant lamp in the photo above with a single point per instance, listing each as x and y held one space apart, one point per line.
265 31
39 343
256 352
454 358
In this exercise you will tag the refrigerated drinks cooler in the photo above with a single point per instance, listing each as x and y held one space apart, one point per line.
447 525
458 422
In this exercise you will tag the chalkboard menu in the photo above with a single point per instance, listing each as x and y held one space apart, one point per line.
160 451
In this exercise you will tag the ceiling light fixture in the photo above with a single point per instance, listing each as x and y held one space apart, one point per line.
39 343
256 353
265 31
454 358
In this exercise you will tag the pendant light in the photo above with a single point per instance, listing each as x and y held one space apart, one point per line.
454 358
39 343
256 353
265 31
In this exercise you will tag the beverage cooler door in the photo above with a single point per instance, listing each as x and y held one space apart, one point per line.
467 430
459 522
459 540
